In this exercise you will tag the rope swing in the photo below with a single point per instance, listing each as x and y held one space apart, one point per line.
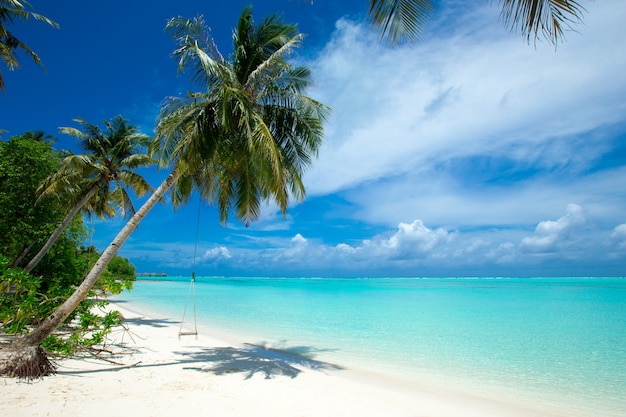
191 294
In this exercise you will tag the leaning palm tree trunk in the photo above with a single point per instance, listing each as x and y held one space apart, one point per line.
22 357
21 256
57 233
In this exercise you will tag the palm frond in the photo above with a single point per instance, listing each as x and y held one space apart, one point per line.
538 19
11 10
121 199
135 182
134 161
9 44
196 51
268 67
400 20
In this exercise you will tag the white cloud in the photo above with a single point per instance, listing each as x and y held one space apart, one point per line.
550 234
618 237
411 241
298 240
215 254
413 249
619 233
296 251
416 247
573 217
416 238
345 248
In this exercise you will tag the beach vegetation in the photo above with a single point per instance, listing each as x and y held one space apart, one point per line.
10 11
245 137
119 275
28 298
404 20
25 161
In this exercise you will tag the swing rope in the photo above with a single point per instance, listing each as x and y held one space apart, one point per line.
191 294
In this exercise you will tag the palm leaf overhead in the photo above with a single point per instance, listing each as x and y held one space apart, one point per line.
400 20
11 10
404 20
541 18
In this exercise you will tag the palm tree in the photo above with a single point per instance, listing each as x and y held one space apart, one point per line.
403 20
11 10
247 137
99 177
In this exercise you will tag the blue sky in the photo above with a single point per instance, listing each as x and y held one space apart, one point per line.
469 154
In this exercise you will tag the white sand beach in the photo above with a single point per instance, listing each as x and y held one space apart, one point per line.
159 375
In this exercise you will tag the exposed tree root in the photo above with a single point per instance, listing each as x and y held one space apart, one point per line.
32 362
25 363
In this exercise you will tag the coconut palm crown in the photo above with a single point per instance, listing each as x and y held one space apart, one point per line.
249 136
97 181
109 164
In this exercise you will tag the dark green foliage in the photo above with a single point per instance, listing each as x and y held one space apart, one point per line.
18 297
25 161
121 269
118 276
26 299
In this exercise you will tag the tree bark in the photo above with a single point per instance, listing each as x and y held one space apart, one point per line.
37 335
57 233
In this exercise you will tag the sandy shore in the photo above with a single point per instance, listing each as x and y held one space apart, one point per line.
159 375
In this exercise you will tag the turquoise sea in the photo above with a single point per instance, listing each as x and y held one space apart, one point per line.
559 343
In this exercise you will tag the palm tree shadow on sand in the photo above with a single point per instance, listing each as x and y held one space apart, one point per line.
249 360
159 323
252 359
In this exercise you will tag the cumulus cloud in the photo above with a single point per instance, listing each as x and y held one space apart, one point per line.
415 249
298 239
618 237
550 234
215 254
295 251
416 238
409 242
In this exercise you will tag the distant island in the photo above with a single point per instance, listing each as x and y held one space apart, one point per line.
151 274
